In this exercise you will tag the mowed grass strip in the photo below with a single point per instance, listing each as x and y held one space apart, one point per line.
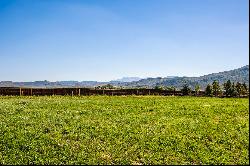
123 130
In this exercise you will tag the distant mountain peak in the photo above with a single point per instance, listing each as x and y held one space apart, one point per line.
127 79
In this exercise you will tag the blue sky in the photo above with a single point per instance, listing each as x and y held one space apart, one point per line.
107 39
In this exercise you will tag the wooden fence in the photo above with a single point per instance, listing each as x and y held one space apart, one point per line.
15 91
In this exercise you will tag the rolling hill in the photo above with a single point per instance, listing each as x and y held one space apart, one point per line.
240 74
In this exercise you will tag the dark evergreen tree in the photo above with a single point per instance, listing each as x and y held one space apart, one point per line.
227 88
233 91
197 89
245 88
186 90
239 89
216 88
209 90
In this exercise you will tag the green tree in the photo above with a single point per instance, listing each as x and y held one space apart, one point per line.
108 86
233 91
170 88
197 89
158 87
186 90
245 89
216 88
209 90
227 88
239 89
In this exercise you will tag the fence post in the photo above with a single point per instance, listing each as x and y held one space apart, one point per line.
79 92
20 91
72 93
31 91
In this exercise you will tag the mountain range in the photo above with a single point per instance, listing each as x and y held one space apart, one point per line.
236 75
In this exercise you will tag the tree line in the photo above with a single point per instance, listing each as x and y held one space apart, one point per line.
227 89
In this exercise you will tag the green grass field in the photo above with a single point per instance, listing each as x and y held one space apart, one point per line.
123 130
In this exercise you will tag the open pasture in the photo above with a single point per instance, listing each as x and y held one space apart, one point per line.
123 130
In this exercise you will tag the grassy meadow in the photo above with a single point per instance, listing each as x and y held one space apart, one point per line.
123 130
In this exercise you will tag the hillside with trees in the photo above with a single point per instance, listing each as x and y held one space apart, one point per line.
236 75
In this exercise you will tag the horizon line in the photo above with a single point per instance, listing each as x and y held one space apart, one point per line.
123 77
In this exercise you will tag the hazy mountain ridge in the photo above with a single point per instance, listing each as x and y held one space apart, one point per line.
127 79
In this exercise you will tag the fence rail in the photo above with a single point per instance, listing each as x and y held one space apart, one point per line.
16 91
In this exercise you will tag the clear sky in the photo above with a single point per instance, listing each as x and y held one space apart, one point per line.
107 39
